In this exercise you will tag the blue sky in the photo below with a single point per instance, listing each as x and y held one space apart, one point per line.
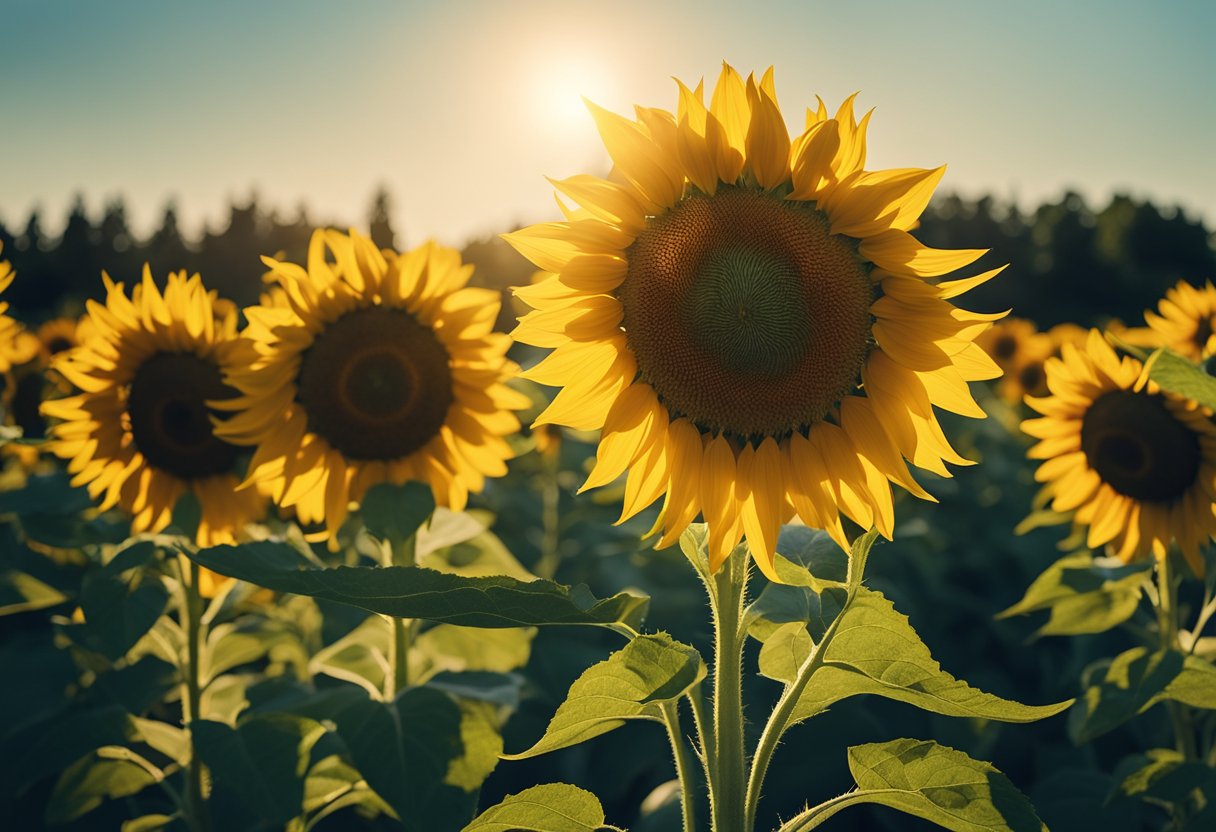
462 108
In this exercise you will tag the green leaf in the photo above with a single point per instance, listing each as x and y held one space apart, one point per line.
263 761
109 772
168 739
415 592
119 612
148 823
1085 594
20 592
395 512
938 784
51 745
231 645
556 807
361 656
1177 375
1165 775
413 753
44 493
875 650
632 683
1135 681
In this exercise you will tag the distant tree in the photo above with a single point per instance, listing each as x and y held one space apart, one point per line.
75 258
380 220
166 249
229 259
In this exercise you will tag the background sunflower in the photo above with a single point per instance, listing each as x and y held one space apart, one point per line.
1137 465
749 321
372 366
139 433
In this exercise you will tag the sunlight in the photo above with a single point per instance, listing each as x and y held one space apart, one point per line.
560 84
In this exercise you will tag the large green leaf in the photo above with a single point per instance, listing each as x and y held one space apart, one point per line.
1084 594
556 807
107 773
933 782
1164 774
424 754
632 683
119 609
263 761
51 745
1177 375
414 592
1135 681
875 650
394 512
361 656
936 783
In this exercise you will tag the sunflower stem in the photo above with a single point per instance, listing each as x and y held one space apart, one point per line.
400 553
684 767
1180 715
196 808
730 754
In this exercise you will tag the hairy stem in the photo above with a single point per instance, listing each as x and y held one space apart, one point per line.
684 767
730 754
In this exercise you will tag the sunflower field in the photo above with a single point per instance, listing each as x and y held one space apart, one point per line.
729 516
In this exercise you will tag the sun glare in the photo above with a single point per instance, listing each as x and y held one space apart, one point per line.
560 85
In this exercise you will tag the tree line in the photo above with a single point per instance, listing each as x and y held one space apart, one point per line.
1068 261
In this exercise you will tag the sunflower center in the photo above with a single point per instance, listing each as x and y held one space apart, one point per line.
1139 448
376 384
1203 331
746 314
58 344
1004 347
170 421
1032 378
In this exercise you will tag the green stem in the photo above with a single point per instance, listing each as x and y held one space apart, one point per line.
401 553
730 757
1167 625
705 736
684 768
779 720
196 810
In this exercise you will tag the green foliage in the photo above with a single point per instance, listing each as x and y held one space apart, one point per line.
556 807
415 592
1164 774
1136 680
1084 594
107 773
395 512
875 650
632 683
263 760
933 782
1180 376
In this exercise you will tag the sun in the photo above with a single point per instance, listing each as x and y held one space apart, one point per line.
559 85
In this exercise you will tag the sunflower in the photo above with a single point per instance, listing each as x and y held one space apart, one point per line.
747 320
372 366
14 340
1135 463
139 433
1185 320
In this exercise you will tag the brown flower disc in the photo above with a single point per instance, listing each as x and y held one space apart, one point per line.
170 421
376 384
1138 447
746 314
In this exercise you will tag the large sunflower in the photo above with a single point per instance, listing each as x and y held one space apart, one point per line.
373 366
139 433
1136 464
748 320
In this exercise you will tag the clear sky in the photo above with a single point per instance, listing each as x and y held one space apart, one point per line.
461 108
